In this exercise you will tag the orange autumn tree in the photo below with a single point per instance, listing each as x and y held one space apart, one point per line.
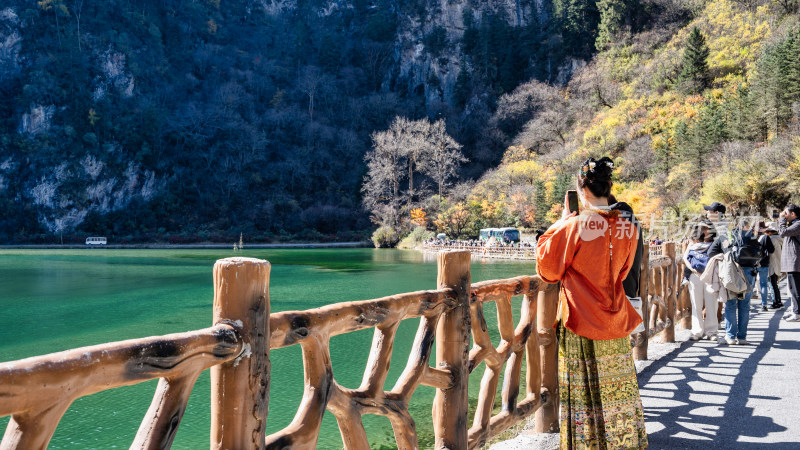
454 221
418 217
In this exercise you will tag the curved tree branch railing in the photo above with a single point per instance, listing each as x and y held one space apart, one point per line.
449 315
37 391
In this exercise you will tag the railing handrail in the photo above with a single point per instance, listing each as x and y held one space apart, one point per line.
126 362
37 391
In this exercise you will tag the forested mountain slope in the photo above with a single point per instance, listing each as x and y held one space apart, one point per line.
201 119
703 105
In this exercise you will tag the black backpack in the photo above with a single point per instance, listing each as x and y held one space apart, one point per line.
746 252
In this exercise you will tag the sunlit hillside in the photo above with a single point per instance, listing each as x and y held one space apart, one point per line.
729 134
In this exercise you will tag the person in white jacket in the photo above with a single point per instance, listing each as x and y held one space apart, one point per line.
703 295
775 273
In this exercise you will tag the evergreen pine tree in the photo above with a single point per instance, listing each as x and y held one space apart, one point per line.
540 203
714 128
665 157
768 89
679 149
509 72
463 87
612 16
793 65
577 21
693 142
738 112
694 76
789 76
784 79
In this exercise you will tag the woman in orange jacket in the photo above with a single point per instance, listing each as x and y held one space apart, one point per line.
590 254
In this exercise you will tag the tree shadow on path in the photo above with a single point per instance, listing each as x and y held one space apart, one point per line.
701 396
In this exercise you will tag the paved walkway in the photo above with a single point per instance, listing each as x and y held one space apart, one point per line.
712 395
703 394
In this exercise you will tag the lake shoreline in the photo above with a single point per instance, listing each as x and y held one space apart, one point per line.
157 246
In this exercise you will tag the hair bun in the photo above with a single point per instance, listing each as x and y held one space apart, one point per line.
598 169
595 175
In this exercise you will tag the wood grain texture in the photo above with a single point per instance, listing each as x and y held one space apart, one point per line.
546 418
670 293
640 340
291 327
452 352
160 425
240 388
36 391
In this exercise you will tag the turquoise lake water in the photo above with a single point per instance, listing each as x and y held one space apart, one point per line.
54 300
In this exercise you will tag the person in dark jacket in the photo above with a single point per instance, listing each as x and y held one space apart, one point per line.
631 282
714 214
789 230
737 308
763 268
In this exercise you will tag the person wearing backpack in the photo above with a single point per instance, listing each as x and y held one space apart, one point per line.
746 252
702 294
763 267
789 230
737 247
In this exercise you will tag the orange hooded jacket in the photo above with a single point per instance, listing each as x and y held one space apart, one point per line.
591 254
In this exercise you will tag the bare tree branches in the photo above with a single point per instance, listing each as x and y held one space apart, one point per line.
444 158
418 147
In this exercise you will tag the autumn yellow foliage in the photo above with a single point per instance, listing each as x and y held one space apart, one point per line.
647 109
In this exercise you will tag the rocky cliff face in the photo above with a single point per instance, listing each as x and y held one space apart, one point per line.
63 192
420 69
435 73
10 41
155 105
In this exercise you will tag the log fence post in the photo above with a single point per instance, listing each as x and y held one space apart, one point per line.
451 405
546 418
240 388
684 297
685 302
640 339
669 289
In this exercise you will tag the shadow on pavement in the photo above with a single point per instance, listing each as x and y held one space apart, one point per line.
700 397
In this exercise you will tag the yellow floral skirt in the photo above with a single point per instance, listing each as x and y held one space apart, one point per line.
600 403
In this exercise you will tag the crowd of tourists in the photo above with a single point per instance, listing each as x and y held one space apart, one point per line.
476 244
437 242
723 261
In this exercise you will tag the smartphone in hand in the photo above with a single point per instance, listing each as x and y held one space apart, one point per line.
572 201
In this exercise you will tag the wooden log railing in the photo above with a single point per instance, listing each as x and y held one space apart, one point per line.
451 314
665 300
37 391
